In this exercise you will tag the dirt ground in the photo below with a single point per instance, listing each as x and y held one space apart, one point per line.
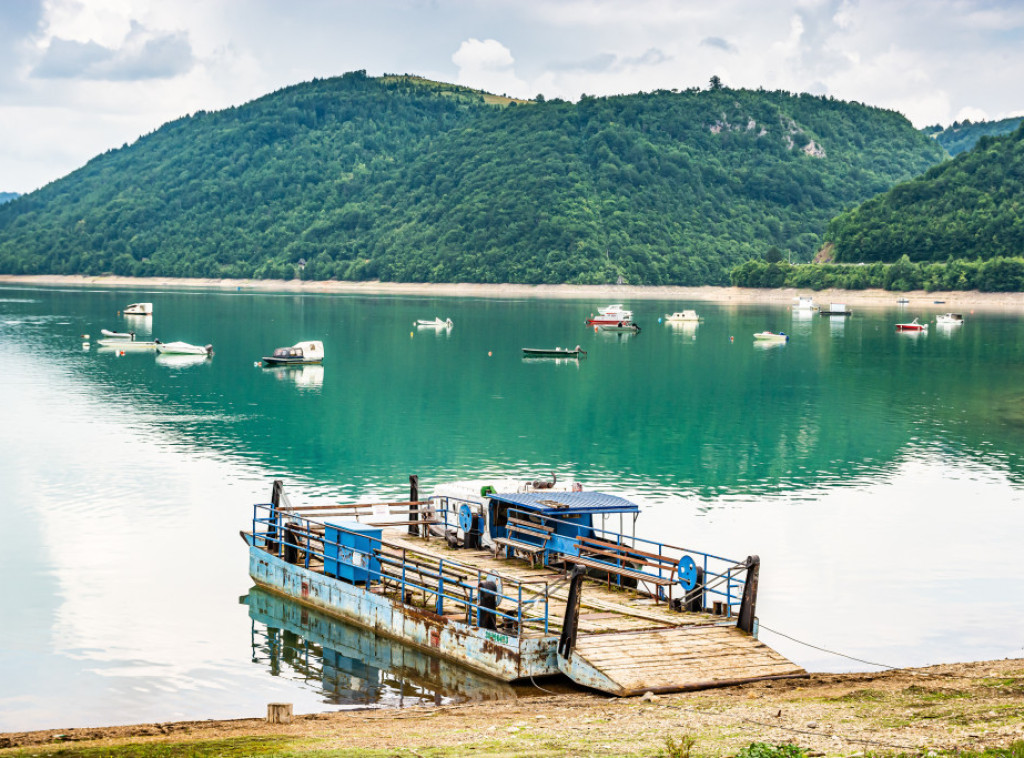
941 708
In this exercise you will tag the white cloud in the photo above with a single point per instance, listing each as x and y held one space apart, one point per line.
488 65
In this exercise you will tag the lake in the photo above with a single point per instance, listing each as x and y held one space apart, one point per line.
877 475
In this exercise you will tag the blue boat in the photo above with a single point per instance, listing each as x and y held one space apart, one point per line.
525 583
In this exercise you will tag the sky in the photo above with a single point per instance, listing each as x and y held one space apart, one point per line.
80 77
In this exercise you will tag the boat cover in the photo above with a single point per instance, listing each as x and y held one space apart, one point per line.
552 503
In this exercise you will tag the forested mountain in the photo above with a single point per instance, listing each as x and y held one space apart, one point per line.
6 197
963 135
969 208
402 179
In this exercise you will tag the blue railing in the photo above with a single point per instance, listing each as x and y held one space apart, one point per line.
303 541
646 561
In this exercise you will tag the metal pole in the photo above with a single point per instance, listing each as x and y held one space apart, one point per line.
414 496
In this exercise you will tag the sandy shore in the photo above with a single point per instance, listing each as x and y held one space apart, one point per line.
929 301
951 707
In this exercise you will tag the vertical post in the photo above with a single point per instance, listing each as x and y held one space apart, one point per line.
275 503
749 604
414 496
570 624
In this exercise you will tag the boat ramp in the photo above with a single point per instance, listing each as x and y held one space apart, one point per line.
522 584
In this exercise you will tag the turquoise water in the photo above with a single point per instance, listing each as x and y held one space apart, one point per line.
878 475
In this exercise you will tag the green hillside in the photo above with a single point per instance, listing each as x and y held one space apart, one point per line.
969 208
403 179
962 136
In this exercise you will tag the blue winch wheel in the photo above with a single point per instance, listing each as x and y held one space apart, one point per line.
686 572
465 519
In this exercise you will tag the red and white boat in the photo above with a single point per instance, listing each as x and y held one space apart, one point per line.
913 326
612 314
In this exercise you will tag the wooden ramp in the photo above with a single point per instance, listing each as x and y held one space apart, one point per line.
673 660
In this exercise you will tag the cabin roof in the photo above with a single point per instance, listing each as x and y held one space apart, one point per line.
552 503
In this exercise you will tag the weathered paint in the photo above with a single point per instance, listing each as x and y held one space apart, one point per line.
479 649
582 672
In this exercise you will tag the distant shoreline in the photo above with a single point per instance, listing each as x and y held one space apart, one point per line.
950 301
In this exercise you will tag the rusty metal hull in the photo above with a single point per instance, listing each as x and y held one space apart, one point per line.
493 653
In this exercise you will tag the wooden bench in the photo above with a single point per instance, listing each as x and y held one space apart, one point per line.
611 569
524 528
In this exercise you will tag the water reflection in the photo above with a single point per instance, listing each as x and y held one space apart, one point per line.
350 665
180 361
310 376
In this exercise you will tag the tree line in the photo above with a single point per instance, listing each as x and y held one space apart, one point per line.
401 179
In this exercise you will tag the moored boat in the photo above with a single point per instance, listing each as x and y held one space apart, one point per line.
835 309
129 345
610 314
949 319
138 309
437 323
682 317
296 355
184 348
539 602
804 303
622 326
554 352
767 336
913 326
117 335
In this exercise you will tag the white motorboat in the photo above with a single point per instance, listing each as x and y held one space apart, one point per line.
184 348
117 335
767 336
138 309
804 304
611 314
437 323
949 319
682 317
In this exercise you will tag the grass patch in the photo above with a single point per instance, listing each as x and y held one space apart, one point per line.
931 696
230 748
1015 750
861 696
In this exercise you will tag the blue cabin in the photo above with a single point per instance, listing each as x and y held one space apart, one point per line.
558 519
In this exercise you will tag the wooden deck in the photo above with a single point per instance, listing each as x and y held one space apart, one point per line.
627 643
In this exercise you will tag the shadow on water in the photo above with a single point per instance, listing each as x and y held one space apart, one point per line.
350 665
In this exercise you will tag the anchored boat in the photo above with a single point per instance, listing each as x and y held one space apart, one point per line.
297 355
138 309
517 579
554 352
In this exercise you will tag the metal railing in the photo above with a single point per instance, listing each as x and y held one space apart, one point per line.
407 573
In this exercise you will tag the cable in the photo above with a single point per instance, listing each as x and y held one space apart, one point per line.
826 650
541 688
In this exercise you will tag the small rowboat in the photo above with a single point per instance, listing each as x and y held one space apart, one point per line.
554 352
913 326
767 336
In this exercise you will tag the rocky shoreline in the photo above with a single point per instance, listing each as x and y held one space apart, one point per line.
931 301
